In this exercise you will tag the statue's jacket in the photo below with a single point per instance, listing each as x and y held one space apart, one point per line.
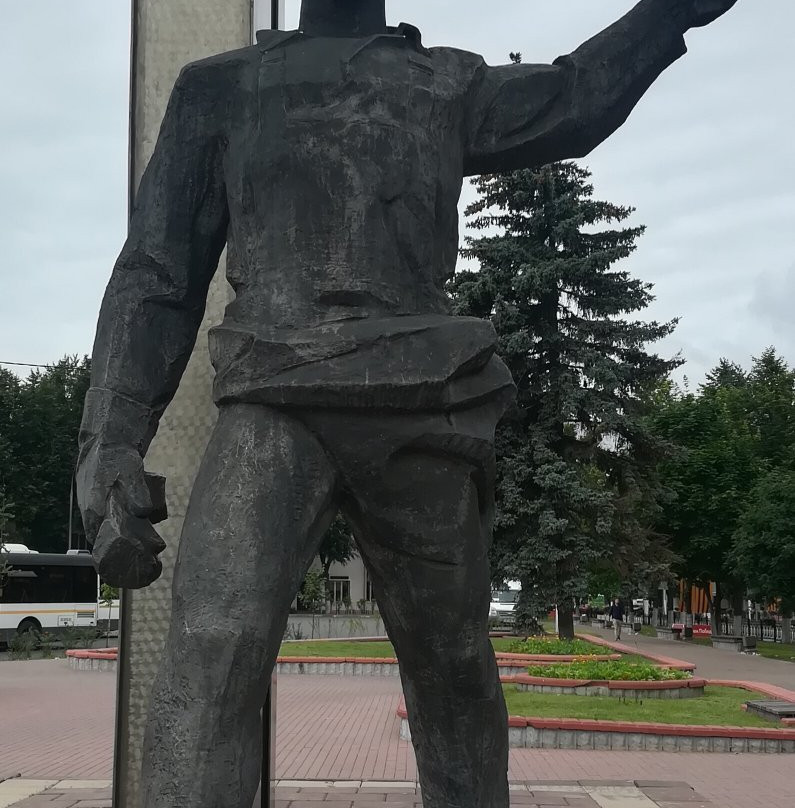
332 169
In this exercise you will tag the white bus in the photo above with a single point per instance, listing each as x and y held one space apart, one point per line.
43 591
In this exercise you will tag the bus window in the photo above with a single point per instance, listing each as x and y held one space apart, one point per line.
19 587
85 584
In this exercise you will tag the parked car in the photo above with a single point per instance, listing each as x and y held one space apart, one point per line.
503 602
16 548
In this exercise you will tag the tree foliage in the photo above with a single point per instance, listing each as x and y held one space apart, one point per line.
577 459
731 475
39 421
764 542
338 546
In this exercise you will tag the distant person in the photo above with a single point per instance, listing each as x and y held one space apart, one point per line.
617 616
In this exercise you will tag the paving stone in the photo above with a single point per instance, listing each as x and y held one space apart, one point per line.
367 802
686 805
312 804
563 788
337 803
642 784
63 801
680 794
77 794
94 804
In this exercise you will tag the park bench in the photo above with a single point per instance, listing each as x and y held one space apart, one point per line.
727 642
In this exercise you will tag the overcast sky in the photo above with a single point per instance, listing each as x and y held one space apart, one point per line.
708 160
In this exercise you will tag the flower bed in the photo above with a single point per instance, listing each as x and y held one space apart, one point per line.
554 646
615 670
637 690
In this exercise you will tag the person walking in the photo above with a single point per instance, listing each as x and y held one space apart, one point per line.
617 616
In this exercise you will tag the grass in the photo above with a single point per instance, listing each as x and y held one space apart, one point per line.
352 648
338 648
720 706
776 651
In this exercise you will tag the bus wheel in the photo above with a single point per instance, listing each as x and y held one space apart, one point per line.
28 624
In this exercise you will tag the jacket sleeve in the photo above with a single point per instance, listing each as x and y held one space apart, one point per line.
522 116
157 292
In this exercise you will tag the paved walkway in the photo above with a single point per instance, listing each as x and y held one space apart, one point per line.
711 663
301 794
58 724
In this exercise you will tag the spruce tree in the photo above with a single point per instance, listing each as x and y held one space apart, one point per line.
577 459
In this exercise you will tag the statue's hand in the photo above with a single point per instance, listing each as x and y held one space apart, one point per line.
698 13
120 503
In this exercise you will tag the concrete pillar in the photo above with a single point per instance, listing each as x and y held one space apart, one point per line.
166 35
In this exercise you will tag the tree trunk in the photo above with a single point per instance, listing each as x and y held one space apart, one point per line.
738 607
566 620
525 619
717 610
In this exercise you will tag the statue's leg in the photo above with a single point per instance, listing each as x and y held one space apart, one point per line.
423 528
261 503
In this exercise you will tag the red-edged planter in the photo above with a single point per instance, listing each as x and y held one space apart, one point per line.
669 689
101 659
623 648
575 733
509 664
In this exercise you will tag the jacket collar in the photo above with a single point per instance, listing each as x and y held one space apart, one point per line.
269 40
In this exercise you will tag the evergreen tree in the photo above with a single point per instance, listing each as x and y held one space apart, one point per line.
576 458
771 407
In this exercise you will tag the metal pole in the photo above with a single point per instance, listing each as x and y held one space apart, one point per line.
71 506
268 780
268 768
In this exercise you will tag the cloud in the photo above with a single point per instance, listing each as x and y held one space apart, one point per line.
706 158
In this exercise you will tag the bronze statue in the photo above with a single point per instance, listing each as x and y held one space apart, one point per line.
329 161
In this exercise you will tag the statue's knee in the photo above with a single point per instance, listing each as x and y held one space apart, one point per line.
221 643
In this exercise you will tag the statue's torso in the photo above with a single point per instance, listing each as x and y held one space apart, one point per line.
343 167
344 181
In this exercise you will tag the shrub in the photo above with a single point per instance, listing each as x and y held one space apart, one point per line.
608 671
78 637
552 645
46 641
22 645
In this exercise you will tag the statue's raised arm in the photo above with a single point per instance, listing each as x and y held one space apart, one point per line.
528 115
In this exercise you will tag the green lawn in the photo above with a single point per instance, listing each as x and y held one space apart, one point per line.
352 648
719 706
337 648
776 651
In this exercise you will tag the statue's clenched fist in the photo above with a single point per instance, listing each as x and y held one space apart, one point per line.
698 13
120 503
